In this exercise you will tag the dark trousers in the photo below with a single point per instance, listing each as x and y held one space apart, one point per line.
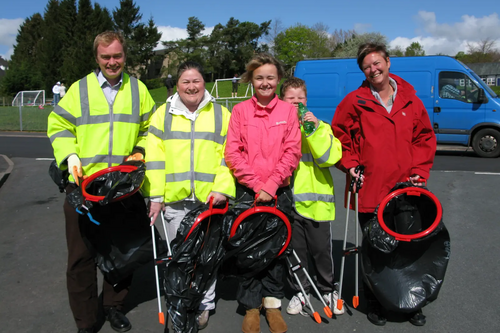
364 218
312 239
81 273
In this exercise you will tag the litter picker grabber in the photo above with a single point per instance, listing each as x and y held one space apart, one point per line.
161 315
355 249
294 269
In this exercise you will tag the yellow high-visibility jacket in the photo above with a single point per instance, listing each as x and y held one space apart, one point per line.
102 135
313 192
186 157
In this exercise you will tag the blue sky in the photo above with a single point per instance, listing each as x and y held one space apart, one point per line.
441 26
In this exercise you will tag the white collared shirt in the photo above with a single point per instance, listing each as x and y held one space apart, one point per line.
391 100
109 91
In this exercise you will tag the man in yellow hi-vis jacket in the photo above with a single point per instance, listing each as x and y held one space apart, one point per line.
185 162
313 201
102 121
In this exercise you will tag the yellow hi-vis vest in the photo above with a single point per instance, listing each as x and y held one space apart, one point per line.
102 135
313 192
186 157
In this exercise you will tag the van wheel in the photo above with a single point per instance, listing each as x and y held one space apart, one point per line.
486 143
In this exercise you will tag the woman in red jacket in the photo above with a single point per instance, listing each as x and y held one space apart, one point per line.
385 127
262 151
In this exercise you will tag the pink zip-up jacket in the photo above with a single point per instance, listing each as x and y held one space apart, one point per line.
263 144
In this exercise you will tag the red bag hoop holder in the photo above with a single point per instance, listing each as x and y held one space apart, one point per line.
96 198
264 209
412 191
211 211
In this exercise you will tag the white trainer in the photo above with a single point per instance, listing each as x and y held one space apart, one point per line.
296 304
333 305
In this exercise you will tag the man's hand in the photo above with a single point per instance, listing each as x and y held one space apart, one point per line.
135 157
263 196
75 168
155 208
219 199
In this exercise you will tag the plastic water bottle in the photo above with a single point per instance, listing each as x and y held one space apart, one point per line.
309 126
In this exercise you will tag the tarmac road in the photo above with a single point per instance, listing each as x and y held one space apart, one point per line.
33 253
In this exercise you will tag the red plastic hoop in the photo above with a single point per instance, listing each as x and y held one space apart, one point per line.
97 198
211 211
264 209
413 191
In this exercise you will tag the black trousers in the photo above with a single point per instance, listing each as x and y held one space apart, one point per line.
364 218
81 273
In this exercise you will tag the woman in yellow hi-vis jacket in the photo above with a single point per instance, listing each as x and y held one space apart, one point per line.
185 161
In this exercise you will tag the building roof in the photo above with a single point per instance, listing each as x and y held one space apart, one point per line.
485 68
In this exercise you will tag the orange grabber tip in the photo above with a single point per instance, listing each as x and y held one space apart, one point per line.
317 317
328 311
340 303
355 301
161 318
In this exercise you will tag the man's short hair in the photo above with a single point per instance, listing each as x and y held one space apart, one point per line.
367 48
108 37
292 82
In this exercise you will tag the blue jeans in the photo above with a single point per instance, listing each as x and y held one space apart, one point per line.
57 97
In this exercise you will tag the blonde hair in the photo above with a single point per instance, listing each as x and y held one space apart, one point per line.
258 60
107 37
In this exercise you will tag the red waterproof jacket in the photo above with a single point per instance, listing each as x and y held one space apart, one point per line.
391 146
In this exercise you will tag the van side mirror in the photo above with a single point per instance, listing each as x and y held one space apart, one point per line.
481 96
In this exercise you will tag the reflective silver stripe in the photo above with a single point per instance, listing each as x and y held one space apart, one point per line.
115 159
65 114
84 103
307 157
209 136
155 165
87 119
62 134
142 133
326 156
147 115
183 176
314 197
223 163
158 133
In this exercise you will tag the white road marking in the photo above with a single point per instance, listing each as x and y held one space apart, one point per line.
44 159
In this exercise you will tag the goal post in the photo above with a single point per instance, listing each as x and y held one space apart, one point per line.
29 98
223 89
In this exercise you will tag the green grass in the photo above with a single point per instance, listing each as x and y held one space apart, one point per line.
496 89
34 119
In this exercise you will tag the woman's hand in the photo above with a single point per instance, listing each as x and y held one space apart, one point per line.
415 180
309 116
263 196
356 176
219 199
155 208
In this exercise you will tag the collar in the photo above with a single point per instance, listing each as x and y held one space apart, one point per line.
266 110
103 81
177 107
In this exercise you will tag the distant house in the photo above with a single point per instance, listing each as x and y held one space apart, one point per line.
489 72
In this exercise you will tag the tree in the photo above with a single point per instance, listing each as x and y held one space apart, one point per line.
231 46
397 51
350 47
300 42
275 28
483 51
141 38
414 50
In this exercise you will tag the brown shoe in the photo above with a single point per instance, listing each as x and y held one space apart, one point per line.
251 322
275 320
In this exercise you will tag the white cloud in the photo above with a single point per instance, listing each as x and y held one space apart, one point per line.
451 38
173 33
8 33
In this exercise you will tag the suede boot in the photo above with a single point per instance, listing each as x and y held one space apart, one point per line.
273 315
251 322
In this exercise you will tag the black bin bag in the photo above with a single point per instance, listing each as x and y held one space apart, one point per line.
120 237
406 249
198 250
258 235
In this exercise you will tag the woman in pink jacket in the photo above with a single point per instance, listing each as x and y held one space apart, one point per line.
262 151
385 127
